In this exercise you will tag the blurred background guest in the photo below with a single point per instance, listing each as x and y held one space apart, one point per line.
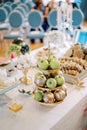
50 6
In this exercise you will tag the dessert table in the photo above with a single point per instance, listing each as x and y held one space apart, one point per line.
67 115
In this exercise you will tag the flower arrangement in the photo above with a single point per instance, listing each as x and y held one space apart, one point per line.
18 47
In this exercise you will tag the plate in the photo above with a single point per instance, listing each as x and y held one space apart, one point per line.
52 72
4 61
48 89
73 68
48 104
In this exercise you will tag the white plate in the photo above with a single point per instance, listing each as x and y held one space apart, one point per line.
5 63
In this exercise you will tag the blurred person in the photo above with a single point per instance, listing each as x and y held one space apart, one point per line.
50 6
39 5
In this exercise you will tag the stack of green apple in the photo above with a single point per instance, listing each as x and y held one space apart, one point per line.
49 82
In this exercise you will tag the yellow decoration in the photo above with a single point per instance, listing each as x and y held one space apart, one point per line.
79 84
15 107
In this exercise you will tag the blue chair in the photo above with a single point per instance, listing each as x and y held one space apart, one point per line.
20 9
3 15
14 5
30 5
23 1
77 18
15 22
3 18
8 8
52 20
8 3
1 5
24 6
23 12
35 19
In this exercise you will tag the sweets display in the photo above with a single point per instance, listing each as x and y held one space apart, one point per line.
73 66
49 82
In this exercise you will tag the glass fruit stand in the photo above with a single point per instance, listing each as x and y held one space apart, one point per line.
15 70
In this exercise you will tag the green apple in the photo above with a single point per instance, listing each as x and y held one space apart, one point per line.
38 96
60 80
37 74
40 80
51 83
54 64
51 58
43 64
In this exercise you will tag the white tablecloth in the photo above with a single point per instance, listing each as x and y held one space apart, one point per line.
64 116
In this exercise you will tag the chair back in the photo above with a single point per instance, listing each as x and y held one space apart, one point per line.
15 19
21 10
24 6
8 3
77 17
35 19
52 18
14 5
3 15
1 5
8 8
30 5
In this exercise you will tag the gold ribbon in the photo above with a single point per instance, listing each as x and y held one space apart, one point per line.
79 84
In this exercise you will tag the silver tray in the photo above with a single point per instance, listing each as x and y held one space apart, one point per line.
70 78
80 76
